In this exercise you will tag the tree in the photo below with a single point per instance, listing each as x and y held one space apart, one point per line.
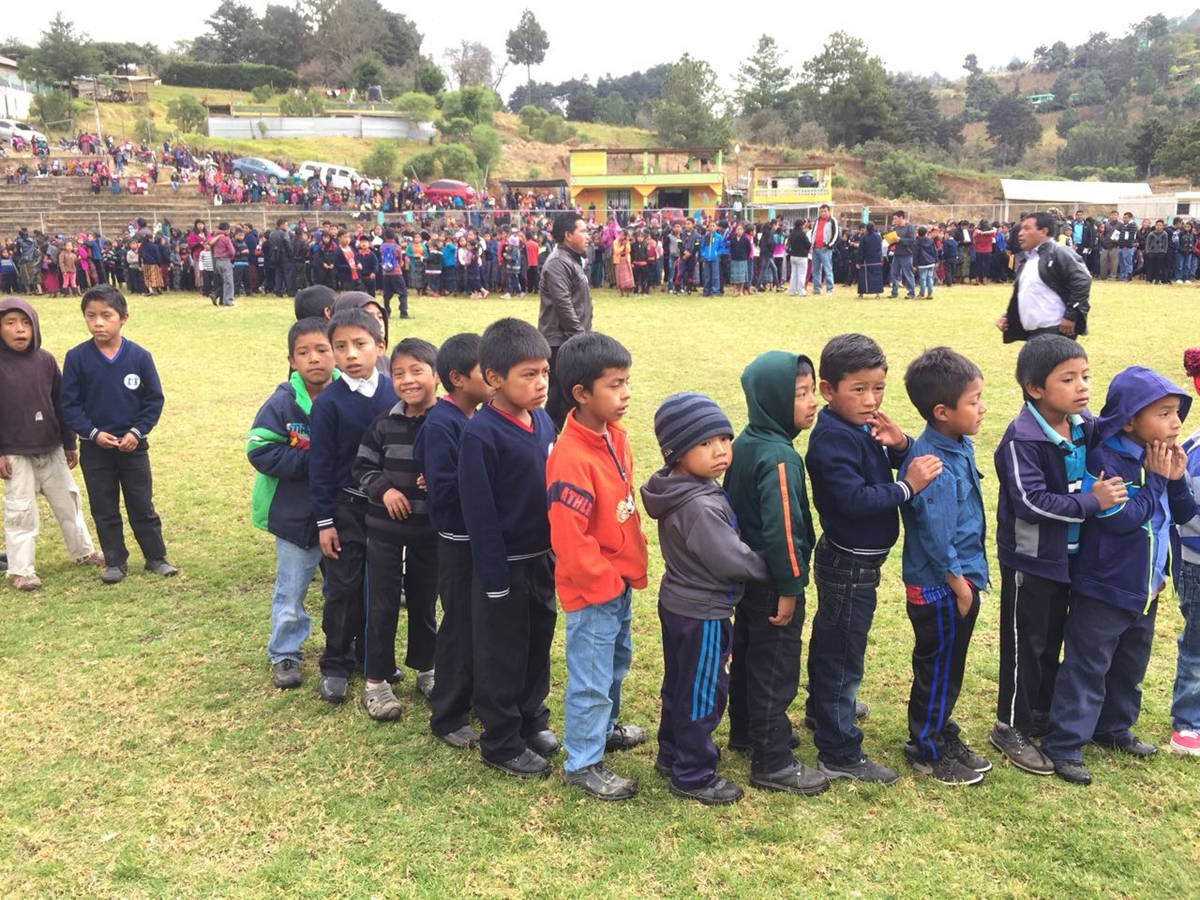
847 91
310 104
430 79
368 70
1061 89
346 29
1092 90
458 162
470 64
615 110
54 110
1012 127
583 105
1053 58
187 114
1152 28
262 93
762 80
234 35
971 64
382 161
1180 153
114 55
526 46
417 106
485 142
900 175
685 116
285 37
982 93
61 54
1068 120
478 104
1148 140
918 119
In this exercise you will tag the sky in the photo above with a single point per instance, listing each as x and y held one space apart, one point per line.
589 40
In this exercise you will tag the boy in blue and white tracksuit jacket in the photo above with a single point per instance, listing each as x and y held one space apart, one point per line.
1185 553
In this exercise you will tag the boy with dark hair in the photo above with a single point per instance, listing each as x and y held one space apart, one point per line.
436 453
1041 462
502 487
766 488
944 563
852 452
707 565
401 546
925 258
600 557
315 301
37 449
391 273
1121 572
1185 699
112 398
278 447
340 416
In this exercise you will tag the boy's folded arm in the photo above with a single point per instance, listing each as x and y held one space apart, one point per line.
270 453
783 528
367 468
844 480
1181 501
710 537
1128 517
577 554
476 471
1022 477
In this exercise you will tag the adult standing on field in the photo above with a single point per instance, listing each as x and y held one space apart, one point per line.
1053 286
566 300
824 239
223 253
279 254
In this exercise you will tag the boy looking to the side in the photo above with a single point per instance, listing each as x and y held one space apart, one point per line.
600 557
852 452
340 416
766 488
278 447
944 563
1121 572
436 453
1041 462
112 398
401 550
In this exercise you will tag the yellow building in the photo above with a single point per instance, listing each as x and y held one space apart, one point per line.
681 178
796 190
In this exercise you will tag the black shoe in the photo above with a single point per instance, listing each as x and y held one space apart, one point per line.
332 688
3 562
543 743
662 769
527 765
945 769
861 710
624 737
956 749
598 781
1041 725
113 574
1072 772
1019 751
719 793
286 674
865 770
161 567
460 738
1137 748
396 677
795 779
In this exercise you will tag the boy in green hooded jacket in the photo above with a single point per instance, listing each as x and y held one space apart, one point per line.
766 488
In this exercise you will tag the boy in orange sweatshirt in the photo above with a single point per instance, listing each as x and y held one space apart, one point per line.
600 556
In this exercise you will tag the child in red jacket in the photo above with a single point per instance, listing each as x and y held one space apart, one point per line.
600 556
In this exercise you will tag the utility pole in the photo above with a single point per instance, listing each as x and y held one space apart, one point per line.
96 110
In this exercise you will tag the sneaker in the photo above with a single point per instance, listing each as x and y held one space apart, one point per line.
96 558
380 703
113 574
965 755
425 683
623 737
161 567
1185 743
1072 771
719 793
1135 747
865 770
3 562
460 738
543 743
1019 751
396 677
506 296
795 779
910 296
527 765
945 769
26 582
286 674
598 781
332 688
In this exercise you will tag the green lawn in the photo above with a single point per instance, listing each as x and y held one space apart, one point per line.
144 752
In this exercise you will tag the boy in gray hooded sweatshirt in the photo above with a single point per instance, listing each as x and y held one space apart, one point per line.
707 566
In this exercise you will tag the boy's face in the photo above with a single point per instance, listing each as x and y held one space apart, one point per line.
709 458
1157 422
473 386
967 415
16 330
1067 390
805 408
857 396
312 357
103 321
377 311
414 381
607 399
355 351
525 385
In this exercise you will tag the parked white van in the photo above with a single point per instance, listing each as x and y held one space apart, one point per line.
342 175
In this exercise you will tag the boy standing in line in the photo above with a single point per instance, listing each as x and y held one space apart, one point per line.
112 398
944 563
1185 701
502 487
600 557
278 448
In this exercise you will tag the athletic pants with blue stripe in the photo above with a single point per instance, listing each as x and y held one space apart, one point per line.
694 690
941 638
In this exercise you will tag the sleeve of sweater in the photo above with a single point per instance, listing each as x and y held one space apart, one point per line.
71 398
783 527
151 396
833 462
1135 512
577 555
1019 468
1181 501
477 471
68 436
367 469
322 459
711 537
438 457
270 449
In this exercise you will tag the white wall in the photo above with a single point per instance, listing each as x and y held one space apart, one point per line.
248 127
14 102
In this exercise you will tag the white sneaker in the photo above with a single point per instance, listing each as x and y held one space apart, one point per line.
1179 281
803 294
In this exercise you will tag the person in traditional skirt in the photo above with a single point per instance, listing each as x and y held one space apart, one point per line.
622 262
869 260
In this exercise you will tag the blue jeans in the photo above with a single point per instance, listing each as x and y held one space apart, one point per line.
712 277
671 262
901 271
290 625
1185 266
822 263
767 272
599 651
1124 263
925 275
1185 704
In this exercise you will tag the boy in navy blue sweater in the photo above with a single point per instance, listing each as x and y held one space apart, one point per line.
502 487
340 417
852 453
112 398
436 453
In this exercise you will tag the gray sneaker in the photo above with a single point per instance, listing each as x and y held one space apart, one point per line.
161 567
460 738
945 769
380 703
113 575
286 674
599 781
425 683
865 770
1019 751
332 688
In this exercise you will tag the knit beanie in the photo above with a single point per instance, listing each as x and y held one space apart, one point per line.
1191 365
683 421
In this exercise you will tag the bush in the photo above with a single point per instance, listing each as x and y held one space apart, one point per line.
310 104
417 106
457 129
901 175
475 103
840 181
532 116
228 76
262 93
1068 120
812 136
1191 100
553 130
187 114
145 130
381 161
54 110
534 173
458 162
485 141
790 157
424 165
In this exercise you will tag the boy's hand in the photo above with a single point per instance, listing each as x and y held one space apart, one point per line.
1002 323
1158 459
5 468
128 443
963 596
783 612
1111 492
1178 463
922 470
421 484
72 458
106 440
396 504
330 545
888 432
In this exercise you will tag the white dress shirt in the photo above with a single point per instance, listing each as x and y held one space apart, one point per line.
1038 305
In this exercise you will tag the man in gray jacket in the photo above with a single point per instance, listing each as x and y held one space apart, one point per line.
566 300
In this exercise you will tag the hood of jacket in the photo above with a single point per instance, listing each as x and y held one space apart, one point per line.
358 300
664 493
769 383
10 304
1131 391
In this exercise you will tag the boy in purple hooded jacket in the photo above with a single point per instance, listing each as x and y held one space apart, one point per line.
1120 572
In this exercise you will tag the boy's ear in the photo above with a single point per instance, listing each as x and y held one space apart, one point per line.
579 393
1034 390
493 378
941 412
1127 428
826 390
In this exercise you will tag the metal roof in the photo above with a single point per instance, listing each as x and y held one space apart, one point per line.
1081 192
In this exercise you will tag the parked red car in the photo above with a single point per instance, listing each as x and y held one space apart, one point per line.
448 190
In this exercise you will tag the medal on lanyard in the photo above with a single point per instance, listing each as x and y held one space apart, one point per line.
626 509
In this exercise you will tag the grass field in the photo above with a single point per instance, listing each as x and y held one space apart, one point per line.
145 754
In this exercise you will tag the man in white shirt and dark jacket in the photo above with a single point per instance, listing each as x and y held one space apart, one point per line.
1051 296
